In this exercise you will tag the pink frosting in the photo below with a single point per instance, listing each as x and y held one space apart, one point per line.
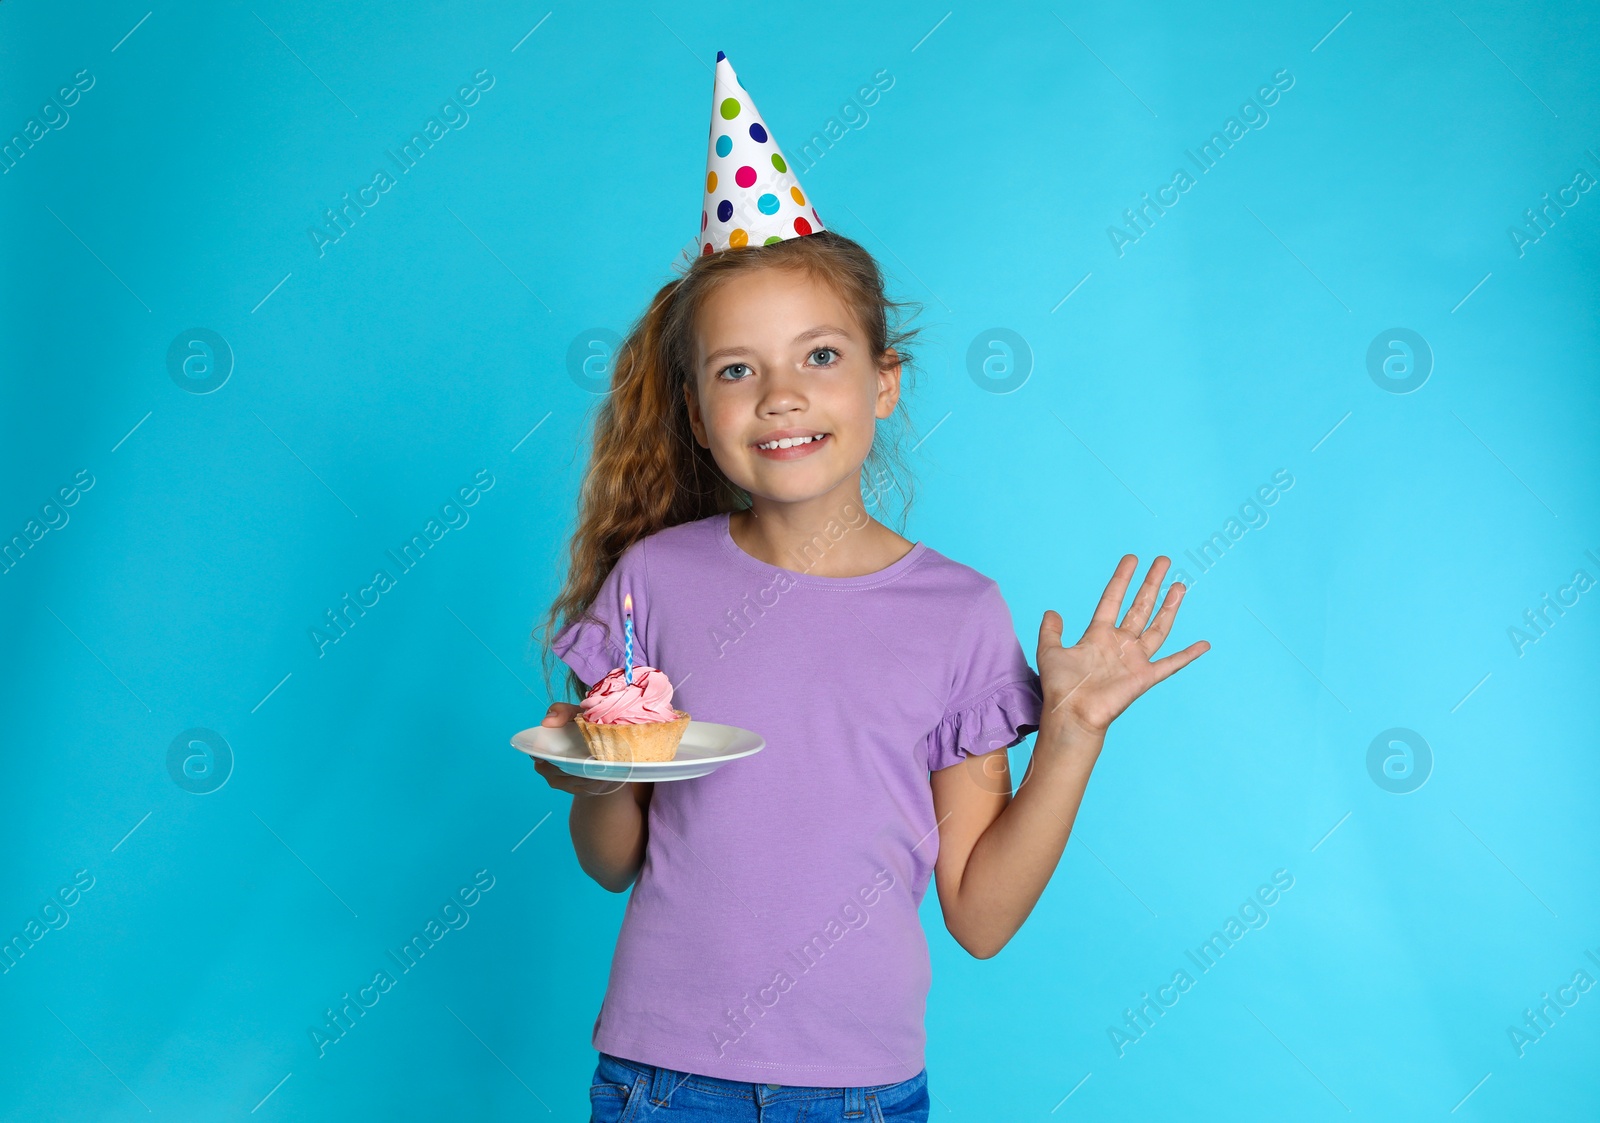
615 701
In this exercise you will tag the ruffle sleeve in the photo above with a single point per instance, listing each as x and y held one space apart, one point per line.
592 643
994 697
998 719
585 646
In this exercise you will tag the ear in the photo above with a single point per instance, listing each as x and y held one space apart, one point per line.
695 422
888 383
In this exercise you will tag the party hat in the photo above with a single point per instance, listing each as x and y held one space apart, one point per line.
752 196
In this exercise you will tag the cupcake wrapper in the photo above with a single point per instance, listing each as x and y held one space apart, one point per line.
642 741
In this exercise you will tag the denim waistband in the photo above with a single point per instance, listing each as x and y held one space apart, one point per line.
663 1081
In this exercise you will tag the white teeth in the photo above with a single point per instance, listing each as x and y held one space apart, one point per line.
790 442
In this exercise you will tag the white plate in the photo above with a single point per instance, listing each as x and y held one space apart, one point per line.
706 746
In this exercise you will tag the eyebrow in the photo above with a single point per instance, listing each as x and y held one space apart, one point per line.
810 333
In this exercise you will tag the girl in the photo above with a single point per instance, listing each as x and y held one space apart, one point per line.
771 964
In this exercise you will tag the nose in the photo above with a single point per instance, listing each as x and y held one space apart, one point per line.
781 394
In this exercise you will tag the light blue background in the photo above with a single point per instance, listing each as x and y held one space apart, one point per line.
372 382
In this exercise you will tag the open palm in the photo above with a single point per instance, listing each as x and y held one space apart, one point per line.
1086 686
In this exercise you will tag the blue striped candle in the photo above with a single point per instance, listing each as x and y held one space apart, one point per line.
627 631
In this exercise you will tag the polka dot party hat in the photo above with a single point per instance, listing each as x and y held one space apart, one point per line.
752 196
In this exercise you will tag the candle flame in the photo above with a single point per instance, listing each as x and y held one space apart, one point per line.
627 603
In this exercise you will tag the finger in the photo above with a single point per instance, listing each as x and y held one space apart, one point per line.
1111 600
558 713
1178 660
1050 630
555 776
1156 634
1145 600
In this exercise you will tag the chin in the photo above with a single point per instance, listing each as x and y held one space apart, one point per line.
785 485
791 481
790 491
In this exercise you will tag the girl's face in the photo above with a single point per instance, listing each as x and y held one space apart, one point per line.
779 355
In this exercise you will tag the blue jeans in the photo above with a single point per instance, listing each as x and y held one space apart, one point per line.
626 1091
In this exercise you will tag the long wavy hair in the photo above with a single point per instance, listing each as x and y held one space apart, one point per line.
647 472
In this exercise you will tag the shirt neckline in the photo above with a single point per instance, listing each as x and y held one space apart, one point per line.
892 571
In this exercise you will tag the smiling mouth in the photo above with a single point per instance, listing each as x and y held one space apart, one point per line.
789 448
791 442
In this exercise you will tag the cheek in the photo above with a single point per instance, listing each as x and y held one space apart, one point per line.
722 417
859 399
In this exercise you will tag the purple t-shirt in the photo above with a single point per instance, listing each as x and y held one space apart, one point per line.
772 934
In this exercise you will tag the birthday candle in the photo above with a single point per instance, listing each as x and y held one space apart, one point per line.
627 630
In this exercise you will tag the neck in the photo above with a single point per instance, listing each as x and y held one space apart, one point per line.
830 535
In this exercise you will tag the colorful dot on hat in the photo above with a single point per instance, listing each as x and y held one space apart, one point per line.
730 108
777 162
771 239
745 176
738 237
816 216
757 133
705 249
768 203
801 226
724 144
724 210
711 182
704 218
798 197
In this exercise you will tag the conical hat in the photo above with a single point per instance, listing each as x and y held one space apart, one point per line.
752 197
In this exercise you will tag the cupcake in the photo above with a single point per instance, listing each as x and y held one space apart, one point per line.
631 721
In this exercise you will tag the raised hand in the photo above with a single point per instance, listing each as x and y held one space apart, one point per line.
1086 686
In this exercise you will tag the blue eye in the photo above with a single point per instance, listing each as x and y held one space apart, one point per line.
825 351
732 366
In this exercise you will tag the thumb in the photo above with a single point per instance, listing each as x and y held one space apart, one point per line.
559 713
1050 629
